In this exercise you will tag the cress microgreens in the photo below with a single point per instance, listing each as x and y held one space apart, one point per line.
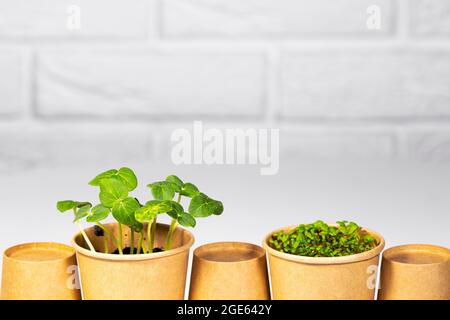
115 199
319 239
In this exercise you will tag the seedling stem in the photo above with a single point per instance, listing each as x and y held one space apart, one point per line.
172 228
109 233
131 241
141 246
153 235
85 237
150 236
120 239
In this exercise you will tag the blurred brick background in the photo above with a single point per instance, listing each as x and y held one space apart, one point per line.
139 68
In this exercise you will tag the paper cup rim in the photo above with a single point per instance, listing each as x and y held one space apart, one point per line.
388 253
133 257
367 255
37 245
260 251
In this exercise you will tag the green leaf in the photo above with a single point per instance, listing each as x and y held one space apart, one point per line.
178 184
186 220
123 211
111 190
104 175
369 238
172 214
82 204
107 199
138 202
203 206
125 175
352 227
98 213
82 212
162 190
189 190
66 205
218 208
151 209
176 209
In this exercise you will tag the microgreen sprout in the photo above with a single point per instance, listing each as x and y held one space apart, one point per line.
115 199
319 239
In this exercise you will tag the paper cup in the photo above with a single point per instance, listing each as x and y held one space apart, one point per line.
323 278
229 271
155 276
415 272
40 271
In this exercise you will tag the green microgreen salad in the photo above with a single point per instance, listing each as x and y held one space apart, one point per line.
320 239
141 219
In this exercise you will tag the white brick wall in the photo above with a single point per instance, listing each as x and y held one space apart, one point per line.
24 147
136 81
319 144
430 144
280 18
139 68
430 17
13 81
45 18
366 83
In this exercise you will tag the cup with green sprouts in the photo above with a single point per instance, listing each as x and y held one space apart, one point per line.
136 236
323 261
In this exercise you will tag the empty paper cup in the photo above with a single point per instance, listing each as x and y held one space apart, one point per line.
40 271
229 271
415 272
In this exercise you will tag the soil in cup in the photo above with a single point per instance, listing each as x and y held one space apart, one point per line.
127 250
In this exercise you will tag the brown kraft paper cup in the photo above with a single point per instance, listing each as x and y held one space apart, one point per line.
415 272
40 271
229 271
155 276
323 278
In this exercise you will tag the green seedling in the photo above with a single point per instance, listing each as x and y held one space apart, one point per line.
115 186
80 211
322 240
115 199
200 205
97 215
